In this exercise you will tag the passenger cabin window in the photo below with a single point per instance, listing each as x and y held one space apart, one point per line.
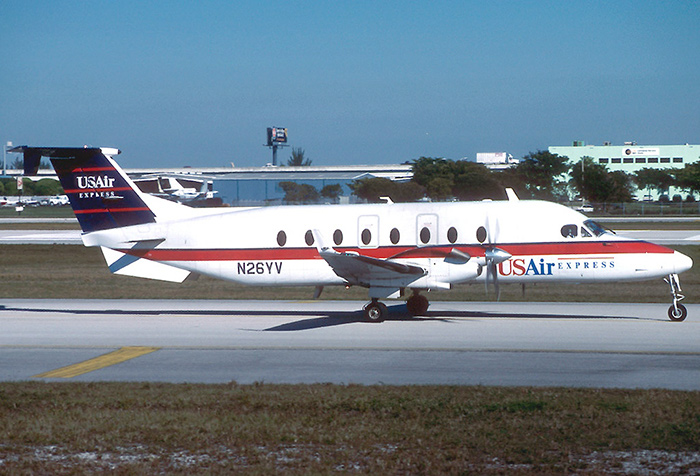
481 234
309 238
366 236
281 238
337 237
425 235
452 234
569 231
394 235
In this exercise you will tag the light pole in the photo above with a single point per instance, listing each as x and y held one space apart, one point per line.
4 156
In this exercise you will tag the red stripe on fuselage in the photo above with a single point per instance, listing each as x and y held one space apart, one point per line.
582 249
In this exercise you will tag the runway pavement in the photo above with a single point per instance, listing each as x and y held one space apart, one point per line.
458 343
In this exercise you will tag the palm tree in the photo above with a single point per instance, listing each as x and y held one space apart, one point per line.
297 159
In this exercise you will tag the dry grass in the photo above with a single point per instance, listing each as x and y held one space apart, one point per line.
67 271
148 428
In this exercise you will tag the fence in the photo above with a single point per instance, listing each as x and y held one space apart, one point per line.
640 208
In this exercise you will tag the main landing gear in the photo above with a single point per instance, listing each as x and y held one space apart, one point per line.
677 311
376 311
417 304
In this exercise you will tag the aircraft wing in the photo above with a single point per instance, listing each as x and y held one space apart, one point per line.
364 270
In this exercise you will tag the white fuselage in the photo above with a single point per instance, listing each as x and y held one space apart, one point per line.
280 245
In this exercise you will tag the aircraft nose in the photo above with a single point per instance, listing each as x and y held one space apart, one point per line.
681 262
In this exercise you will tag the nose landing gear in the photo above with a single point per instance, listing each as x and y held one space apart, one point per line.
677 311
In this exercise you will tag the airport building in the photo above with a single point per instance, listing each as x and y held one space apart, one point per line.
631 157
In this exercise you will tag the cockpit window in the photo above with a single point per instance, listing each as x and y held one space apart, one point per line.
585 233
595 227
569 231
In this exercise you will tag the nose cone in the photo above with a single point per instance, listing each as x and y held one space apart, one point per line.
681 262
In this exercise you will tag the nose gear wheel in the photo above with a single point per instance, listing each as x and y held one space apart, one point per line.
677 311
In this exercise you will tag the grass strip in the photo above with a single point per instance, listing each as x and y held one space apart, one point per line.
310 429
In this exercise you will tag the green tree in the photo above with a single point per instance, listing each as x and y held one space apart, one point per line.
332 191
406 192
444 179
658 179
440 188
595 183
427 169
371 188
46 187
297 159
541 174
510 178
688 177
299 193
10 186
474 181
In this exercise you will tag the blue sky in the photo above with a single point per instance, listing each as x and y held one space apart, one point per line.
197 83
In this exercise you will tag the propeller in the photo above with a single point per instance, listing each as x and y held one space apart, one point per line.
488 236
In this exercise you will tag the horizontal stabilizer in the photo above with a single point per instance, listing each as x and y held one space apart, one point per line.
130 265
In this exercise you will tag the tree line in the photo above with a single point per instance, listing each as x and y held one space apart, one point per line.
539 175
45 187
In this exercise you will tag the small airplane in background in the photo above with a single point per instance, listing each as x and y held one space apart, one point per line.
179 189
388 248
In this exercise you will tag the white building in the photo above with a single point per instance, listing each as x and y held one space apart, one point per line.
631 157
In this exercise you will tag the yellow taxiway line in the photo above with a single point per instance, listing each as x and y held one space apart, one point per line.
112 358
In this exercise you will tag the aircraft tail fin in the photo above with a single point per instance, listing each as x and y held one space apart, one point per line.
101 194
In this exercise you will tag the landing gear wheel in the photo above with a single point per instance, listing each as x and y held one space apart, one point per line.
417 305
376 311
677 314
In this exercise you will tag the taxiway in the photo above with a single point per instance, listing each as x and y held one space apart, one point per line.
458 343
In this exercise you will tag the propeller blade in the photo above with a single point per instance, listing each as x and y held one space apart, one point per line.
494 256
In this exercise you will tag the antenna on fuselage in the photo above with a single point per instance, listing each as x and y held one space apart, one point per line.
512 196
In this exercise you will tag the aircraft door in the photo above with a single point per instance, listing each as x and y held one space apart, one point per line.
368 231
427 235
427 229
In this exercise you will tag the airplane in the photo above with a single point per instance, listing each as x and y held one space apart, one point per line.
388 248
179 189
